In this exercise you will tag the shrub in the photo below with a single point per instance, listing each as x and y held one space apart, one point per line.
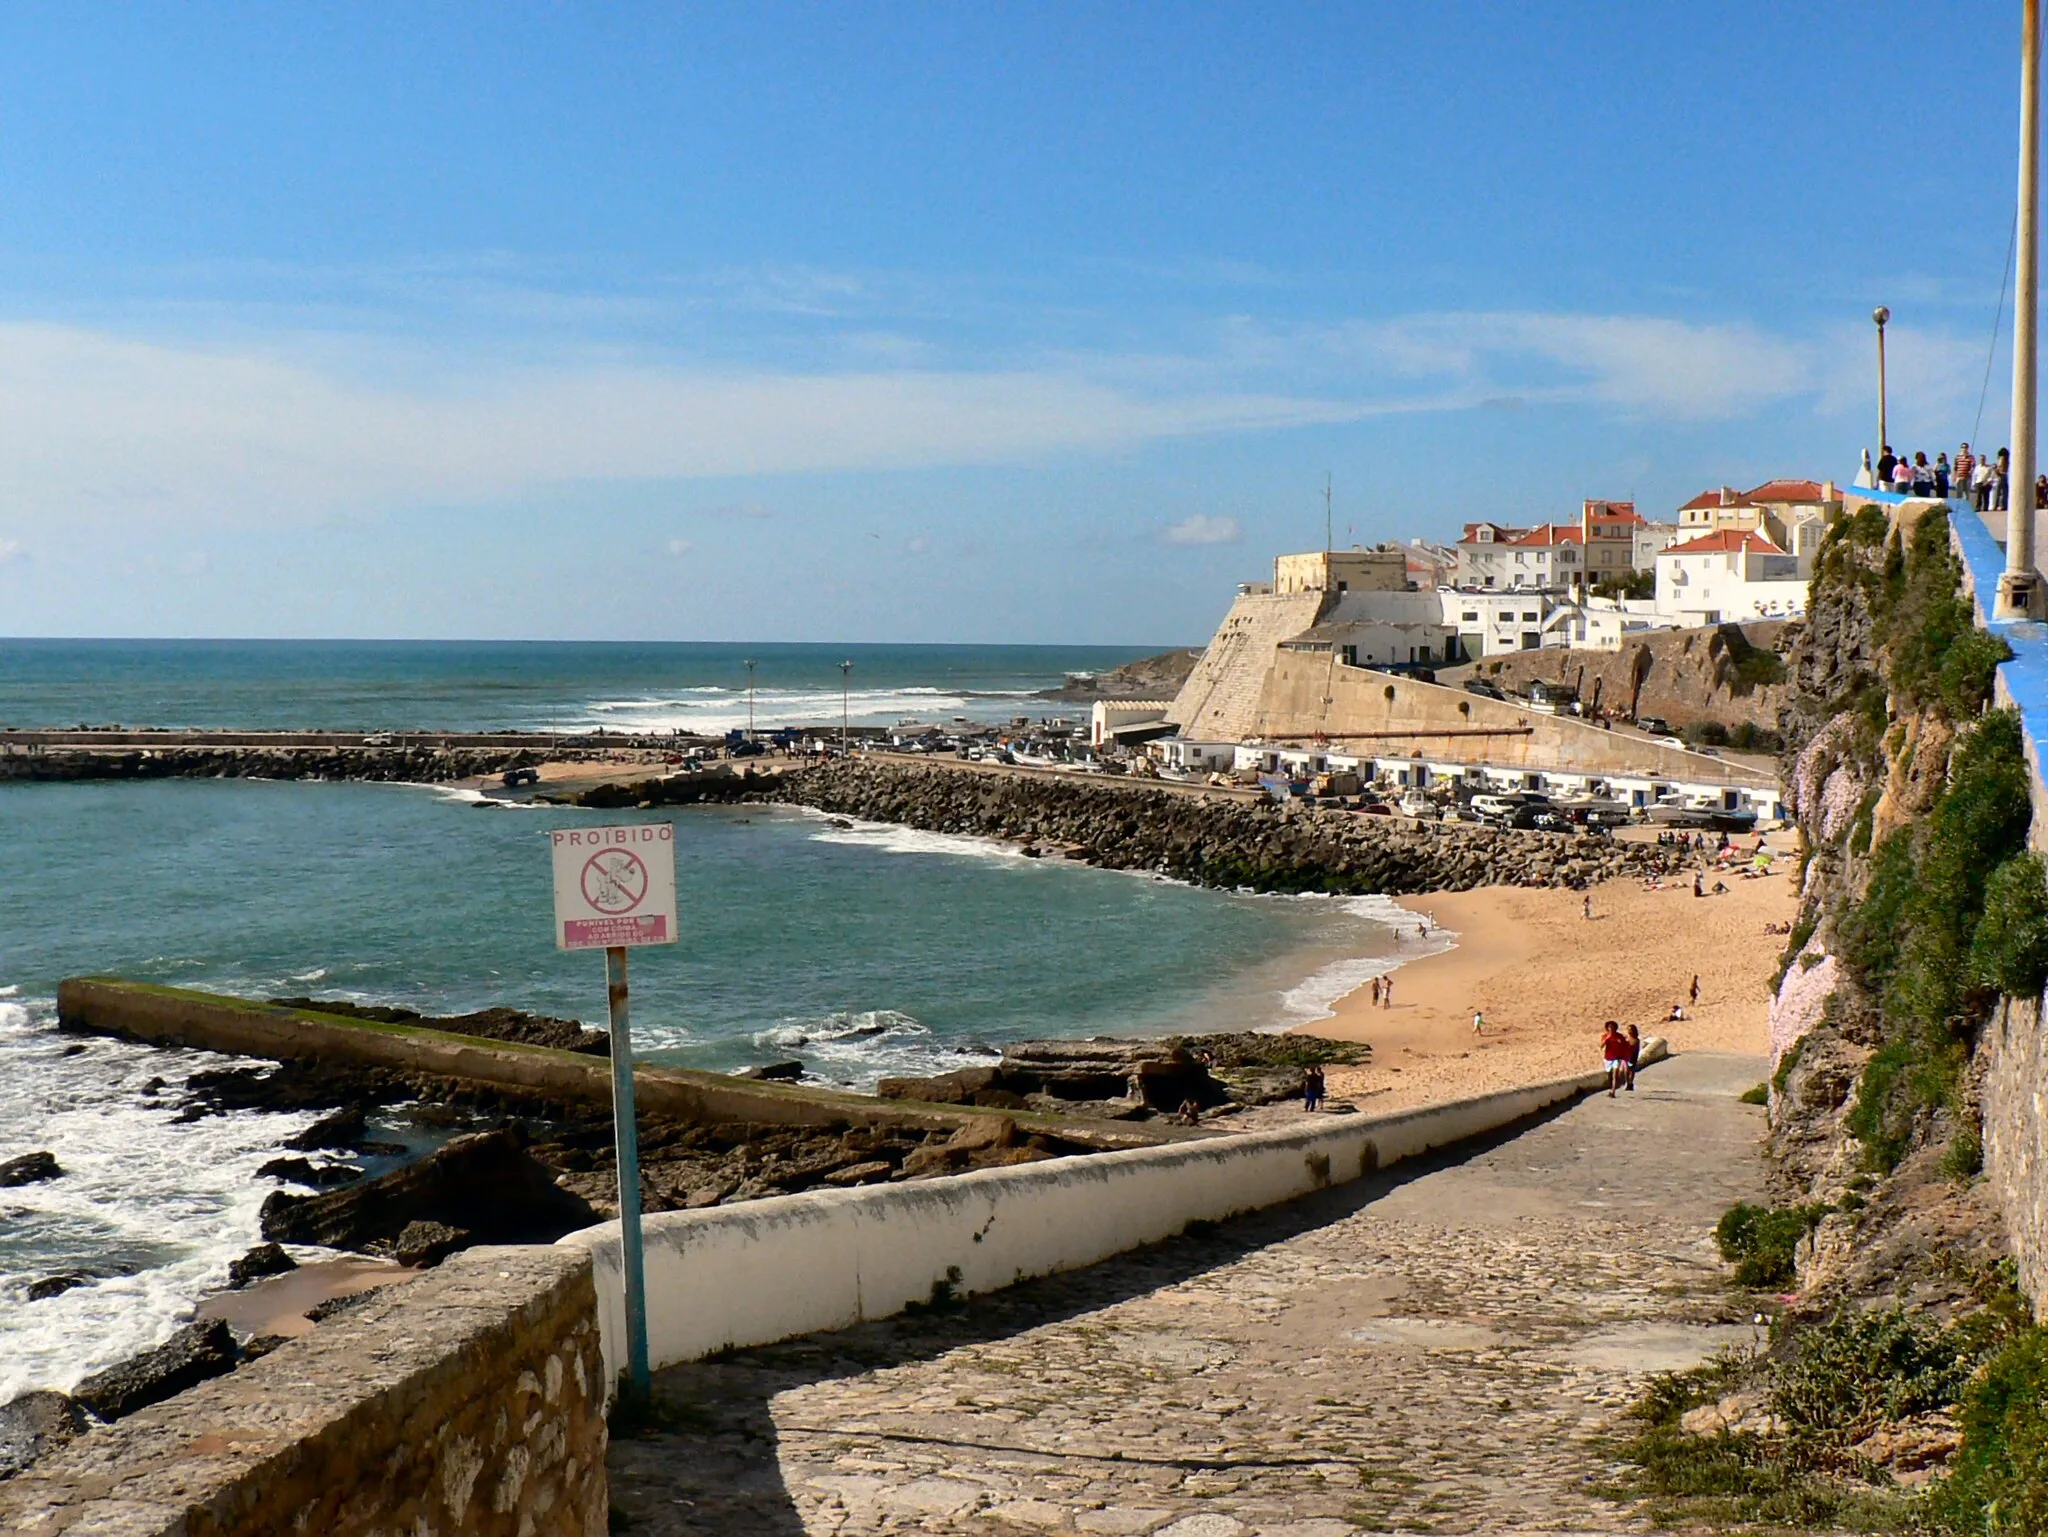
1967 672
1756 1094
1763 1241
1707 733
1963 1159
1998 1485
1859 1370
2010 949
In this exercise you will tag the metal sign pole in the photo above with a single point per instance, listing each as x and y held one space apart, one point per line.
628 1135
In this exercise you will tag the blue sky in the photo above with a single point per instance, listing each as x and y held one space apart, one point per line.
1022 322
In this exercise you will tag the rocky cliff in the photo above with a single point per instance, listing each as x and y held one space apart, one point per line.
1730 674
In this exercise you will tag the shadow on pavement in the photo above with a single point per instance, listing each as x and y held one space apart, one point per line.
713 1467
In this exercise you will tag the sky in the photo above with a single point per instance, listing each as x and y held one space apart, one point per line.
1019 322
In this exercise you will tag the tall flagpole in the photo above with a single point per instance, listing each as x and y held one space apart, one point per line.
2018 589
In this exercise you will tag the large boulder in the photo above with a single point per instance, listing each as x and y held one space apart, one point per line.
194 1354
485 1185
29 1169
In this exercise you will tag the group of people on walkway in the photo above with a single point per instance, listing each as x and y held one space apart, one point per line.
1983 479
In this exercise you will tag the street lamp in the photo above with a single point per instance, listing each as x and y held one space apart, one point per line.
845 695
750 699
1881 315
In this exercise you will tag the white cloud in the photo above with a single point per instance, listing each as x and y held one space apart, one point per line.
917 544
1203 529
680 547
91 421
10 549
308 428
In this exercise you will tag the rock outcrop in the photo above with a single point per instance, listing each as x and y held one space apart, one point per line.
189 1357
485 1185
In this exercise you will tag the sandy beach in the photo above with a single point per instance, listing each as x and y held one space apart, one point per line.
1545 977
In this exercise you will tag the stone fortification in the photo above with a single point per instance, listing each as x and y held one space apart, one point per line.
1215 841
470 1401
1222 695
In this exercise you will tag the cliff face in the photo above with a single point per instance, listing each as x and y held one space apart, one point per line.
1733 674
1878 1025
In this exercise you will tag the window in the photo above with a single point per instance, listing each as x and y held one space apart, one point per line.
1528 618
1471 615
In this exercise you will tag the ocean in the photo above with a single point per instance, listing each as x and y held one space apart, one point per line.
864 951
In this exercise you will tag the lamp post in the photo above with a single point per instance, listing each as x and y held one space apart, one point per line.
845 707
750 699
2016 587
1881 315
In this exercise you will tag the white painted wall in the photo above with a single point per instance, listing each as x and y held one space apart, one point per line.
768 1270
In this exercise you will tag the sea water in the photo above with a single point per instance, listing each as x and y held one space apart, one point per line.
861 950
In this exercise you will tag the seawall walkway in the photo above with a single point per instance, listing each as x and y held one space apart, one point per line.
1434 1348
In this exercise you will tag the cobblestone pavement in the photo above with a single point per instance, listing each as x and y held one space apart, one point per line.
1434 1350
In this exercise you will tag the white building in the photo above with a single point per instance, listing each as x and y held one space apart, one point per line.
1383 629
1603 624
1494 623
1726 577
1652 540
1113 720
1483 554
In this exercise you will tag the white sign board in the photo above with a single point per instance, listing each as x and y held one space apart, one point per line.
614 886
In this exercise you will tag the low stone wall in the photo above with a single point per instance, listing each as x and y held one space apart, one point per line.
1210 840
409 765
772 1269
470 1401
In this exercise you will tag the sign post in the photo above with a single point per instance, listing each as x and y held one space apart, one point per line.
616 887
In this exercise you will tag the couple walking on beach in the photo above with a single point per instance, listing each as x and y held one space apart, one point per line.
1620 1052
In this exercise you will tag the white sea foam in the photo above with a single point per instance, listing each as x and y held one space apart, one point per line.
861 1047
714 710
1315 996
891 838
175 1201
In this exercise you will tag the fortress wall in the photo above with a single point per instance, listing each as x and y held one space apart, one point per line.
1221 696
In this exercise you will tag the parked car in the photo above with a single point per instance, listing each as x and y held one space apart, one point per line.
1484 689
1656 725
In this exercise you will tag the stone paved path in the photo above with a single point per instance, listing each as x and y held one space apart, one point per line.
1434 1350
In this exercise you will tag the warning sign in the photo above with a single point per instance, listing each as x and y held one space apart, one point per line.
614 885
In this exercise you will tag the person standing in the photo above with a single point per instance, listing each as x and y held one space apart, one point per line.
1478 1022
1886 462
1587 907
1694 998
1312 1088
1635 1055
1966 466
1941 476
1387 994
2001 482
1613 1056
1902 477
1980 484
1375 992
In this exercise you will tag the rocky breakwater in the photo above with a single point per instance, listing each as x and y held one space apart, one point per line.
1213 841
409 765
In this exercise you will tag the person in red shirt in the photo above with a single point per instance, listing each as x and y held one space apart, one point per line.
1614 1056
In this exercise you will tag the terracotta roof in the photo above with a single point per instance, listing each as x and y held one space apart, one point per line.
1786 491
1549 534
1502 532
1720 496
1728 541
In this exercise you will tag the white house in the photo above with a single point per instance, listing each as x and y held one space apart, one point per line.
1728 576
1547 556
1493 623
1483 554
1378 629
1603 624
